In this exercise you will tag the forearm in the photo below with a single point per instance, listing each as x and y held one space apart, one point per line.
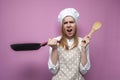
83 56
54 56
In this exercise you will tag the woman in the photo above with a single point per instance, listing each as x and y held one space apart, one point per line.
69 55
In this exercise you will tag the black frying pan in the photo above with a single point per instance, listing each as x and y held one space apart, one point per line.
27 46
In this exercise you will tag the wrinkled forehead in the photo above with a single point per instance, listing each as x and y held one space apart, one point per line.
68 18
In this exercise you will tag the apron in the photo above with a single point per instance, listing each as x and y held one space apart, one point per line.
69 61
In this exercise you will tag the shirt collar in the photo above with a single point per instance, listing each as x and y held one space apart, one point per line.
70 42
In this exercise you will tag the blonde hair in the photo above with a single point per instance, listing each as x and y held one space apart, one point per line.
63 41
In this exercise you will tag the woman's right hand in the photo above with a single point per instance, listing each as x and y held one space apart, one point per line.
53 43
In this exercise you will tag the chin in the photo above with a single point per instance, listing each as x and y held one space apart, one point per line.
69 36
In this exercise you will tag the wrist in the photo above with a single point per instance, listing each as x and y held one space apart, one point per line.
83 48
54 48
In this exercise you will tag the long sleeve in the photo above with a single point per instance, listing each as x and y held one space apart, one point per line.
53 68
84 69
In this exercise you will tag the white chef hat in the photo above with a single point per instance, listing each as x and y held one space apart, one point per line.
68 12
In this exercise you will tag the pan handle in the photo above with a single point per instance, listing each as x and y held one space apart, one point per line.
45 43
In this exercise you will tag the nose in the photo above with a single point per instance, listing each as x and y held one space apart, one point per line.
68 25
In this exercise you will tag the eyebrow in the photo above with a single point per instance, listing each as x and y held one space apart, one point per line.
68 21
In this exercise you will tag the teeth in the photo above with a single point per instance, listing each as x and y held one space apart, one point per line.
69 30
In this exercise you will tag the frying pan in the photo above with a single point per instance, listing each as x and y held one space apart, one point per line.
35 46
27 46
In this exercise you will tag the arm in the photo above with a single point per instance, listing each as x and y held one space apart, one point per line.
83 56
53 63
85 59
85 65
54 56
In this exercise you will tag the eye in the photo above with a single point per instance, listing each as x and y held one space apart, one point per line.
65 22
71 21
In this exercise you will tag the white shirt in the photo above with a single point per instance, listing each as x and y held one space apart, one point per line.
83 69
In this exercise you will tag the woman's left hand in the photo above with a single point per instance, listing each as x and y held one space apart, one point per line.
85 41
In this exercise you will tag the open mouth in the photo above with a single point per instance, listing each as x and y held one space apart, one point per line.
69 30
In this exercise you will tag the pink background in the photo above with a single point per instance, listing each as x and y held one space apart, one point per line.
36 21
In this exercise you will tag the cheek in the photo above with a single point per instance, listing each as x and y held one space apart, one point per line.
64 28
74 28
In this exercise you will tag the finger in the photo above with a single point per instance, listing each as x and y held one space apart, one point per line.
49 40
54 42
84 41
57 44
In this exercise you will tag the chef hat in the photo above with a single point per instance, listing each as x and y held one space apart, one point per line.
68 12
